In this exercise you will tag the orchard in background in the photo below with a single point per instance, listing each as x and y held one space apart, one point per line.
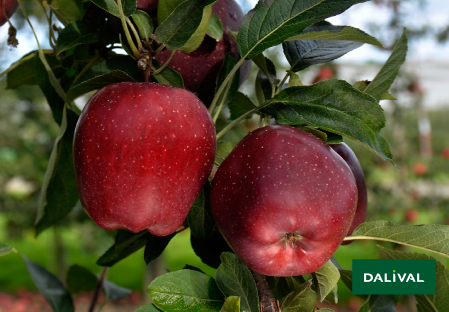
147 157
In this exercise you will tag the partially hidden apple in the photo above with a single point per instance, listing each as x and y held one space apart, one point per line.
200 68
362 202
284 201
142 153
10 8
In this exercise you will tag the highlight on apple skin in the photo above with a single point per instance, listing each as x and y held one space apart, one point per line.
284 201
142 153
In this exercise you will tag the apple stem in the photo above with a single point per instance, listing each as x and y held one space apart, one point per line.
266 298
282 82
223 100
125 28
136 34
165 64
98 289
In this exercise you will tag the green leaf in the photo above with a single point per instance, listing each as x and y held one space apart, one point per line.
318 133
210 250
50 287
155 246
214 28
361 85
266 79
79 279
379 303
304 53
240 105
4 249
66 11
272 22
294 80
325 279
148 308
282 286
144 23
329 32
386 76
59 192
232 304
235 279
165 8
117 69
126 243
432 238
223 150
129 6
74 34
200 217
168 76
24 71
55 102
228 64
302 299
185 28
115 292
325 310
435 303
335 106
186 290
346 278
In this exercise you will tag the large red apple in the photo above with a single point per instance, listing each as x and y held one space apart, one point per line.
200 68
10 8
362 202
284 201
142 153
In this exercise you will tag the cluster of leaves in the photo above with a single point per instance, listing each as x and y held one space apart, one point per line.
83 60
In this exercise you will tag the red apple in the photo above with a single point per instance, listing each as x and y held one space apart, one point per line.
284 201
147 5
411 215
10 8
445 152
200 68
142 153
362 202
420 168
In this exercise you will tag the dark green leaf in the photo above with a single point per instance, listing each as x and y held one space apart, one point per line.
79 279
144 23
185 28
325 310
379 303
304 53
432 238
55 102
165 8
168 76
74 34
4 249
24 71
223 150
59 192
126 47
115 292
148 308
129 6
334 106
240 105
232 304
346 278
302 299
210 250
332 138
325 279
214 28
155 246
272 22
361 85
386 76
126 243
235 279
117 69
282 286
50 287
266 80
318 133
435 303
229 63
191 267
200 217
65 10
186 290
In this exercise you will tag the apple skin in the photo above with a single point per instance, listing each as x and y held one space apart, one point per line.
10 8
348 155
279 182
200 68
142 153
411 215
420 168
147 5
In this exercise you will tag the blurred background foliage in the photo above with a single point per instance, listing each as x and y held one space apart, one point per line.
414 192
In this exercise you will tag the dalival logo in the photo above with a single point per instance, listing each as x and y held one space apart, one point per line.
404 278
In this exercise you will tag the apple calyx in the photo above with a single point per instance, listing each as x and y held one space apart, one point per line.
291 238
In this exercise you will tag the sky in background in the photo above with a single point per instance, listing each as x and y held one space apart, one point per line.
436 12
